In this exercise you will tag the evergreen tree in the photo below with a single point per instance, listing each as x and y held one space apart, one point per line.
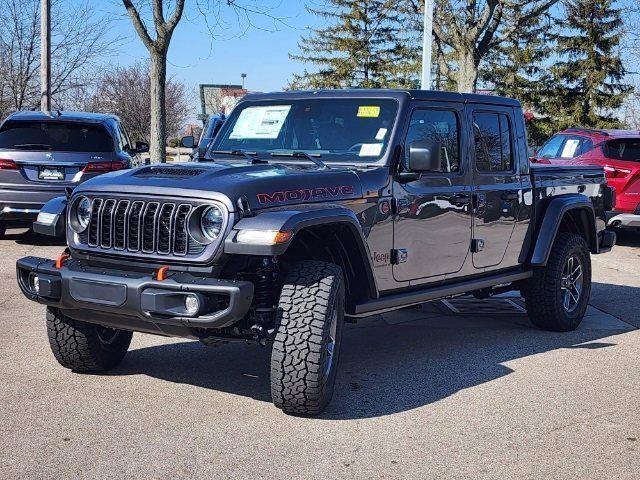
589 77
364 45
516 69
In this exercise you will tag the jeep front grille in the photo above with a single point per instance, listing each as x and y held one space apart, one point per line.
137 226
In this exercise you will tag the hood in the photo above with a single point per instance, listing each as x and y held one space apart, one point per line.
260 185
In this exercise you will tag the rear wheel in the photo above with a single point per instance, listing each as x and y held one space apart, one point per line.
558 295
306 348
85 347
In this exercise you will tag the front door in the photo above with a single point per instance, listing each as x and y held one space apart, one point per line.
432 226
497 192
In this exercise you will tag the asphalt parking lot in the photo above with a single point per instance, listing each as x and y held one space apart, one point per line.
422 393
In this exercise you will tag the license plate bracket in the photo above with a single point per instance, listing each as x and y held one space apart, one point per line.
51 173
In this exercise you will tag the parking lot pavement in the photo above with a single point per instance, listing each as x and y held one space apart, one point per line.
422 393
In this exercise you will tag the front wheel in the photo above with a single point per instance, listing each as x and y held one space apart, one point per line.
557 296
85 347
306 348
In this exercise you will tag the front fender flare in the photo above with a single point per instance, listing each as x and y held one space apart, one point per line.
553 215
51 220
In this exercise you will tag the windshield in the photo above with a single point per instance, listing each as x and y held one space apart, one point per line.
625 149
55 136
338 129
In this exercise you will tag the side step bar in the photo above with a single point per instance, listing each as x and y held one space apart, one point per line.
415 297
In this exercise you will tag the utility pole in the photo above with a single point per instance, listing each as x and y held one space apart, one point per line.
427 36
45 55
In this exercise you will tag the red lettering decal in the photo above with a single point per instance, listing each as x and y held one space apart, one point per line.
271 198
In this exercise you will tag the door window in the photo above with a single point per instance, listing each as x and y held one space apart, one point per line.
492 135
437 126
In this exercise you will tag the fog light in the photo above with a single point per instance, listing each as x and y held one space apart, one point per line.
35 284
192 304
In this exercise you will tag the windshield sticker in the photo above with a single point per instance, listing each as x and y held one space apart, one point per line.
381 134
368 111
260 122
370 150
570 148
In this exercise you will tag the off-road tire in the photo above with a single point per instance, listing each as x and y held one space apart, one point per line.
81 347
303 372
543 292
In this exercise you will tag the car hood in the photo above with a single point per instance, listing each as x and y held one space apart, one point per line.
258 185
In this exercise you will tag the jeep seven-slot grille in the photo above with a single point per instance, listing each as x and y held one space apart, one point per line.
141 226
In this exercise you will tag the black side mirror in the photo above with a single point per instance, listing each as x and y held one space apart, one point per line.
142 147
188 142
424 156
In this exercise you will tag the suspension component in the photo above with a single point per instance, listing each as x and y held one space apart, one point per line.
264 295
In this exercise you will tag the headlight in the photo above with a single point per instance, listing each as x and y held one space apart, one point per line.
82 214
211 223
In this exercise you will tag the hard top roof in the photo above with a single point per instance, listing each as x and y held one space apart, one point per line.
387 93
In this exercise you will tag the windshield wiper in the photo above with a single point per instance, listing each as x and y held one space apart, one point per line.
33 145
253 156
315 157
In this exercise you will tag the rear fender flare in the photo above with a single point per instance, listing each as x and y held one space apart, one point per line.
554 214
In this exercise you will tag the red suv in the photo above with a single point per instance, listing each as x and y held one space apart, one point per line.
618 151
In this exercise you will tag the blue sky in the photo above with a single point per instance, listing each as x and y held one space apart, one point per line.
194 57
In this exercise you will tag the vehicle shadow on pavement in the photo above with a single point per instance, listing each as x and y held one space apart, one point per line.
626 238
389 364
28 237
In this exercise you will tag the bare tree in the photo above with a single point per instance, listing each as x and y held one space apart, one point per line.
465 31
126 91
79 41
158 49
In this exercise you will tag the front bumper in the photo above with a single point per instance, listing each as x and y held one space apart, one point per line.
134 300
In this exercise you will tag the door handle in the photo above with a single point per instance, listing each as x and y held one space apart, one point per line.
510 196
460 200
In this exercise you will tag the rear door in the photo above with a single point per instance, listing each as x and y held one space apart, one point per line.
52 153
497 191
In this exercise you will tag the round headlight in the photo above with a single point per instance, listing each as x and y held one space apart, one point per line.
211 222
83 215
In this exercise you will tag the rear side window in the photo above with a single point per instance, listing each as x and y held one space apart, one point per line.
55 136
492 136
623 149
437 126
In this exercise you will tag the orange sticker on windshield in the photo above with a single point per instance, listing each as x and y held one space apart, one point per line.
368 111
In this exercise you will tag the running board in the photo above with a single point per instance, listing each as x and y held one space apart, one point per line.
416 297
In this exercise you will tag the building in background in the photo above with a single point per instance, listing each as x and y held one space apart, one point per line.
216 99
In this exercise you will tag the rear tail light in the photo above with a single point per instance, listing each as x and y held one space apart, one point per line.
6 164
103 167
615 172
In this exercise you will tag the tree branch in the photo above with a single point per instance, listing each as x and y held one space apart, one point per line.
141 29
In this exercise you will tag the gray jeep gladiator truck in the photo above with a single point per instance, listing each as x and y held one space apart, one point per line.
316 208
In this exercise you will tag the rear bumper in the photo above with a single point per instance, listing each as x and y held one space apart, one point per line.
24 204
133 300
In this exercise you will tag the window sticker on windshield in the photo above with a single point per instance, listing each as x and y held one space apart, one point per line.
370 149
441 127
381 134
368 111
570 148
260 122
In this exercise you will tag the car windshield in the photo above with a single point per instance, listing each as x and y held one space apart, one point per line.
55 136
623 149
337 129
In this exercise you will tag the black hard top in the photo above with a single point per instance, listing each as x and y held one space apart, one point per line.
388 93
63 116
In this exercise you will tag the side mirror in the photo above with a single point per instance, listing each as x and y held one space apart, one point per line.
188 142
424 156
142 147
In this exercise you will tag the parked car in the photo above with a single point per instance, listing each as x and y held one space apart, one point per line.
320 208
209 132
617 151
43 154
